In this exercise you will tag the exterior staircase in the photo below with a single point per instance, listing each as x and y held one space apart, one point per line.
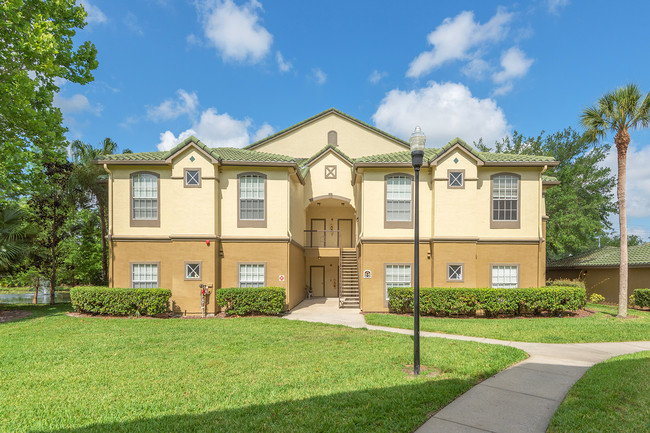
349 295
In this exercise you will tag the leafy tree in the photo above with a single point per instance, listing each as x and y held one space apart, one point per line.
579 206
50 207
82 251
14 234
619 111
615 241
37 49
86 177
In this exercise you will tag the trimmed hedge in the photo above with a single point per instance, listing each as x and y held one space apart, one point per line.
642 298
449 301
120 302
241 301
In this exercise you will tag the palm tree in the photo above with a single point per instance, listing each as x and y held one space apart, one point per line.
619 111
14 234
87 177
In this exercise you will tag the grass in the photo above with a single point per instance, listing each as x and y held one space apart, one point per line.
601 327
611 397
60 373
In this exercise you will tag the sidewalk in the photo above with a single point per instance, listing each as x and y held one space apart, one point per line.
522 398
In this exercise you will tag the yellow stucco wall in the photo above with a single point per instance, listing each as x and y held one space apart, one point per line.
171 257
354 140
296 274
604 281
317 185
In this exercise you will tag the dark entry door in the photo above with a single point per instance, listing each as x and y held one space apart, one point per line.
317 280
345 233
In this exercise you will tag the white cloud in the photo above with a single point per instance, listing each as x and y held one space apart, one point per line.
376 76
554 6
477 68
216 130
77 103
192 39
131 22
94 14
283 65
235 30
319 75
456 38
444 111
514 64
638 179
185 104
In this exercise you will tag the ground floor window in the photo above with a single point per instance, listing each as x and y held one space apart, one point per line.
252 274
455 272
505 276
144 275
192 270
397 276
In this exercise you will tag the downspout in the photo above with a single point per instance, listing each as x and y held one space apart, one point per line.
539 227
290 235
110 219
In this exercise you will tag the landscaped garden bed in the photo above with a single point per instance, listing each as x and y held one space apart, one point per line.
120 301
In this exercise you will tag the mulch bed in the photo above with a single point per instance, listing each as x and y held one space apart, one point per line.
9 315
545 315
102 316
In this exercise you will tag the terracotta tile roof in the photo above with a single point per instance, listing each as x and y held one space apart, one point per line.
605 257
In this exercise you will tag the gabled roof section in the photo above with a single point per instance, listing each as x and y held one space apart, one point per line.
320 116
455 144
393 158
329 148
605 257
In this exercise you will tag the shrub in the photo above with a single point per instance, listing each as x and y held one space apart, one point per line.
595 298
447 301
251 300
565 282
642 298
120 302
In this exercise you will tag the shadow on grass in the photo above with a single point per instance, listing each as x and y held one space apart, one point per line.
394 409
37 311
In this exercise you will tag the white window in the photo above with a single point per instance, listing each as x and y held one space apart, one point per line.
251 197
192 271
192 177
144 275
397 276
455 272
145 196
251 274
455 179
398 198
505 196
505 276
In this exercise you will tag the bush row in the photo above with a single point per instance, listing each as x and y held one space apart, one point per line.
120 302
247 300
642 298
443 301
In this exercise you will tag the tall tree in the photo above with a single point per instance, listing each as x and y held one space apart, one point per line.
580 205
87 177
618 112
14 234
50 208
36 37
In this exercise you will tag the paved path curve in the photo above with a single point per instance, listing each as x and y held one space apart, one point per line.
522 398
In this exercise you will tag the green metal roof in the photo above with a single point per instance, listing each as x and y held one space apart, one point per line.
143 156
605 257
396 157
509 157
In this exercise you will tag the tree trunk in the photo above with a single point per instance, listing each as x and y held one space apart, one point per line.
38 283
102 220
53 277
621 146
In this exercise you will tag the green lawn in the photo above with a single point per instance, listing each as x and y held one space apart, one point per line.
59 373
612 396
601 327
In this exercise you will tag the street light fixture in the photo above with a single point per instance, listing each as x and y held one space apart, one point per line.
418 139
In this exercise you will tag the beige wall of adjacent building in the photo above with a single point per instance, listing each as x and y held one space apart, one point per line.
604 281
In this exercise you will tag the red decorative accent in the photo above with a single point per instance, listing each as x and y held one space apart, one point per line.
207 242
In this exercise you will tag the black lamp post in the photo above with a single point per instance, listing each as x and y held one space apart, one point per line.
418 139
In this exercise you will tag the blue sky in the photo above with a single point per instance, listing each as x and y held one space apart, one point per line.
232 72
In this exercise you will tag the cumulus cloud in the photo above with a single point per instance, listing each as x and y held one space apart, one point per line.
376 76
638 179
235 31
458 38
77 103
283 65
444 111
514 64
264 131
185 104
216 130
319 75
554 6
94 14
477 68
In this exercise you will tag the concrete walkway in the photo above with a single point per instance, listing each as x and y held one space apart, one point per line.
522 398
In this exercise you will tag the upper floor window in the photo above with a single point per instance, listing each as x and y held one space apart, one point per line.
145 199
252 200
192 177
505 201
456 178
399 195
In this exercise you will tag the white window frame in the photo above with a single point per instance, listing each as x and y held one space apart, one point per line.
504 276
456 179
192 178
194 267
399 200
145 198
149 279
505 193
248 196
401 280
455 272
253 280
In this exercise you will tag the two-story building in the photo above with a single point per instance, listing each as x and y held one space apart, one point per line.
324 206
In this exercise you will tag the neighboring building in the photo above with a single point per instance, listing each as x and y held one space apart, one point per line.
327 203
599 269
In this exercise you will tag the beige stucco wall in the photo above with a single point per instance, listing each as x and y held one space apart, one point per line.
274 255
171 257
354 140
296 274
297 210
604 281
331 268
